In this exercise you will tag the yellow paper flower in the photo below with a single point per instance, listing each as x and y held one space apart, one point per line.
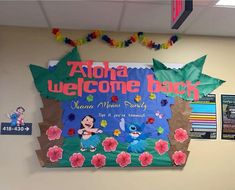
152 96
103 123
116 132
138 98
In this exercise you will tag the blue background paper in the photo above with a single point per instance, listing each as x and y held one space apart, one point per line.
152 106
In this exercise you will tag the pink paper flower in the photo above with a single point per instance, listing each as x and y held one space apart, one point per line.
179 158
54 153
53 133
77 160
145 159
98 160
109 144
161 146
180 135
123 159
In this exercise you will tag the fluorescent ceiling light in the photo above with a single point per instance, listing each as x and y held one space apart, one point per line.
226 3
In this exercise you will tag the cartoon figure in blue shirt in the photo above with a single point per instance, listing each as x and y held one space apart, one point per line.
135 136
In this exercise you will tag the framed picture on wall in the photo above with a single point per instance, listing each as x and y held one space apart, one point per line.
228 116
203 118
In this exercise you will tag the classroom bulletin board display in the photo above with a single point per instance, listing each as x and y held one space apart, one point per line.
98 116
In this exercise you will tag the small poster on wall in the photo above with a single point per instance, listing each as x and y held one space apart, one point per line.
228 116
203 118
17 124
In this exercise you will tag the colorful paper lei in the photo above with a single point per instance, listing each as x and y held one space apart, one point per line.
136 37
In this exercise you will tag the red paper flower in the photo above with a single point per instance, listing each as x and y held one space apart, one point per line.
71 132
54 153
179 158
53 133
77 160
98 160
55 30
145 159
123 159
161 147
114 99
180 135
109 144
150 120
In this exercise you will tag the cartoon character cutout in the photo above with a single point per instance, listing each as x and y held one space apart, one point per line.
89 137
17 118
135 136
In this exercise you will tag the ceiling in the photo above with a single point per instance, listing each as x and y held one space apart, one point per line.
118 15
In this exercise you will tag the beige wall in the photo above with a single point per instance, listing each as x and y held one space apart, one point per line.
211 164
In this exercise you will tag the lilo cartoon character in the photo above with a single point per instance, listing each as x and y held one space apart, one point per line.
136 137
17 118
89 137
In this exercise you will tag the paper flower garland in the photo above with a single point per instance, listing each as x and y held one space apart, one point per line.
136 37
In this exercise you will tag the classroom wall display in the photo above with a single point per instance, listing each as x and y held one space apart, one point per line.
228 116
17 124
203 118
103 116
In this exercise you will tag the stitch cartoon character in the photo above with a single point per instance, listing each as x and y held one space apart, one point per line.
16 117
89 137
136 137
13 118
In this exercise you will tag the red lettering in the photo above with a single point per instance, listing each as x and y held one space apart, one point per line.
80 85
118 85
69 86
98 72
153 85
192 88
132 86
57 88
87 86
177 87
77 67
102 87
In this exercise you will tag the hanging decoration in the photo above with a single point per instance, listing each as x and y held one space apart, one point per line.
136 37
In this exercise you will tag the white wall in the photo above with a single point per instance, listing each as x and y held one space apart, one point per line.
210 165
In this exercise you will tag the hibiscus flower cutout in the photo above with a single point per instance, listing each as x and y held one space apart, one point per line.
103 123
109 144
179 158
152 96
138 98
180 135
53 133
98 160
123 159
114 99
146 159
161 147
54 153
116 132
150 120
90 98
77 160
71 132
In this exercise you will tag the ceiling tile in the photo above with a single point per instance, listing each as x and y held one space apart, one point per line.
147 17
216 21
21 13
84 14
